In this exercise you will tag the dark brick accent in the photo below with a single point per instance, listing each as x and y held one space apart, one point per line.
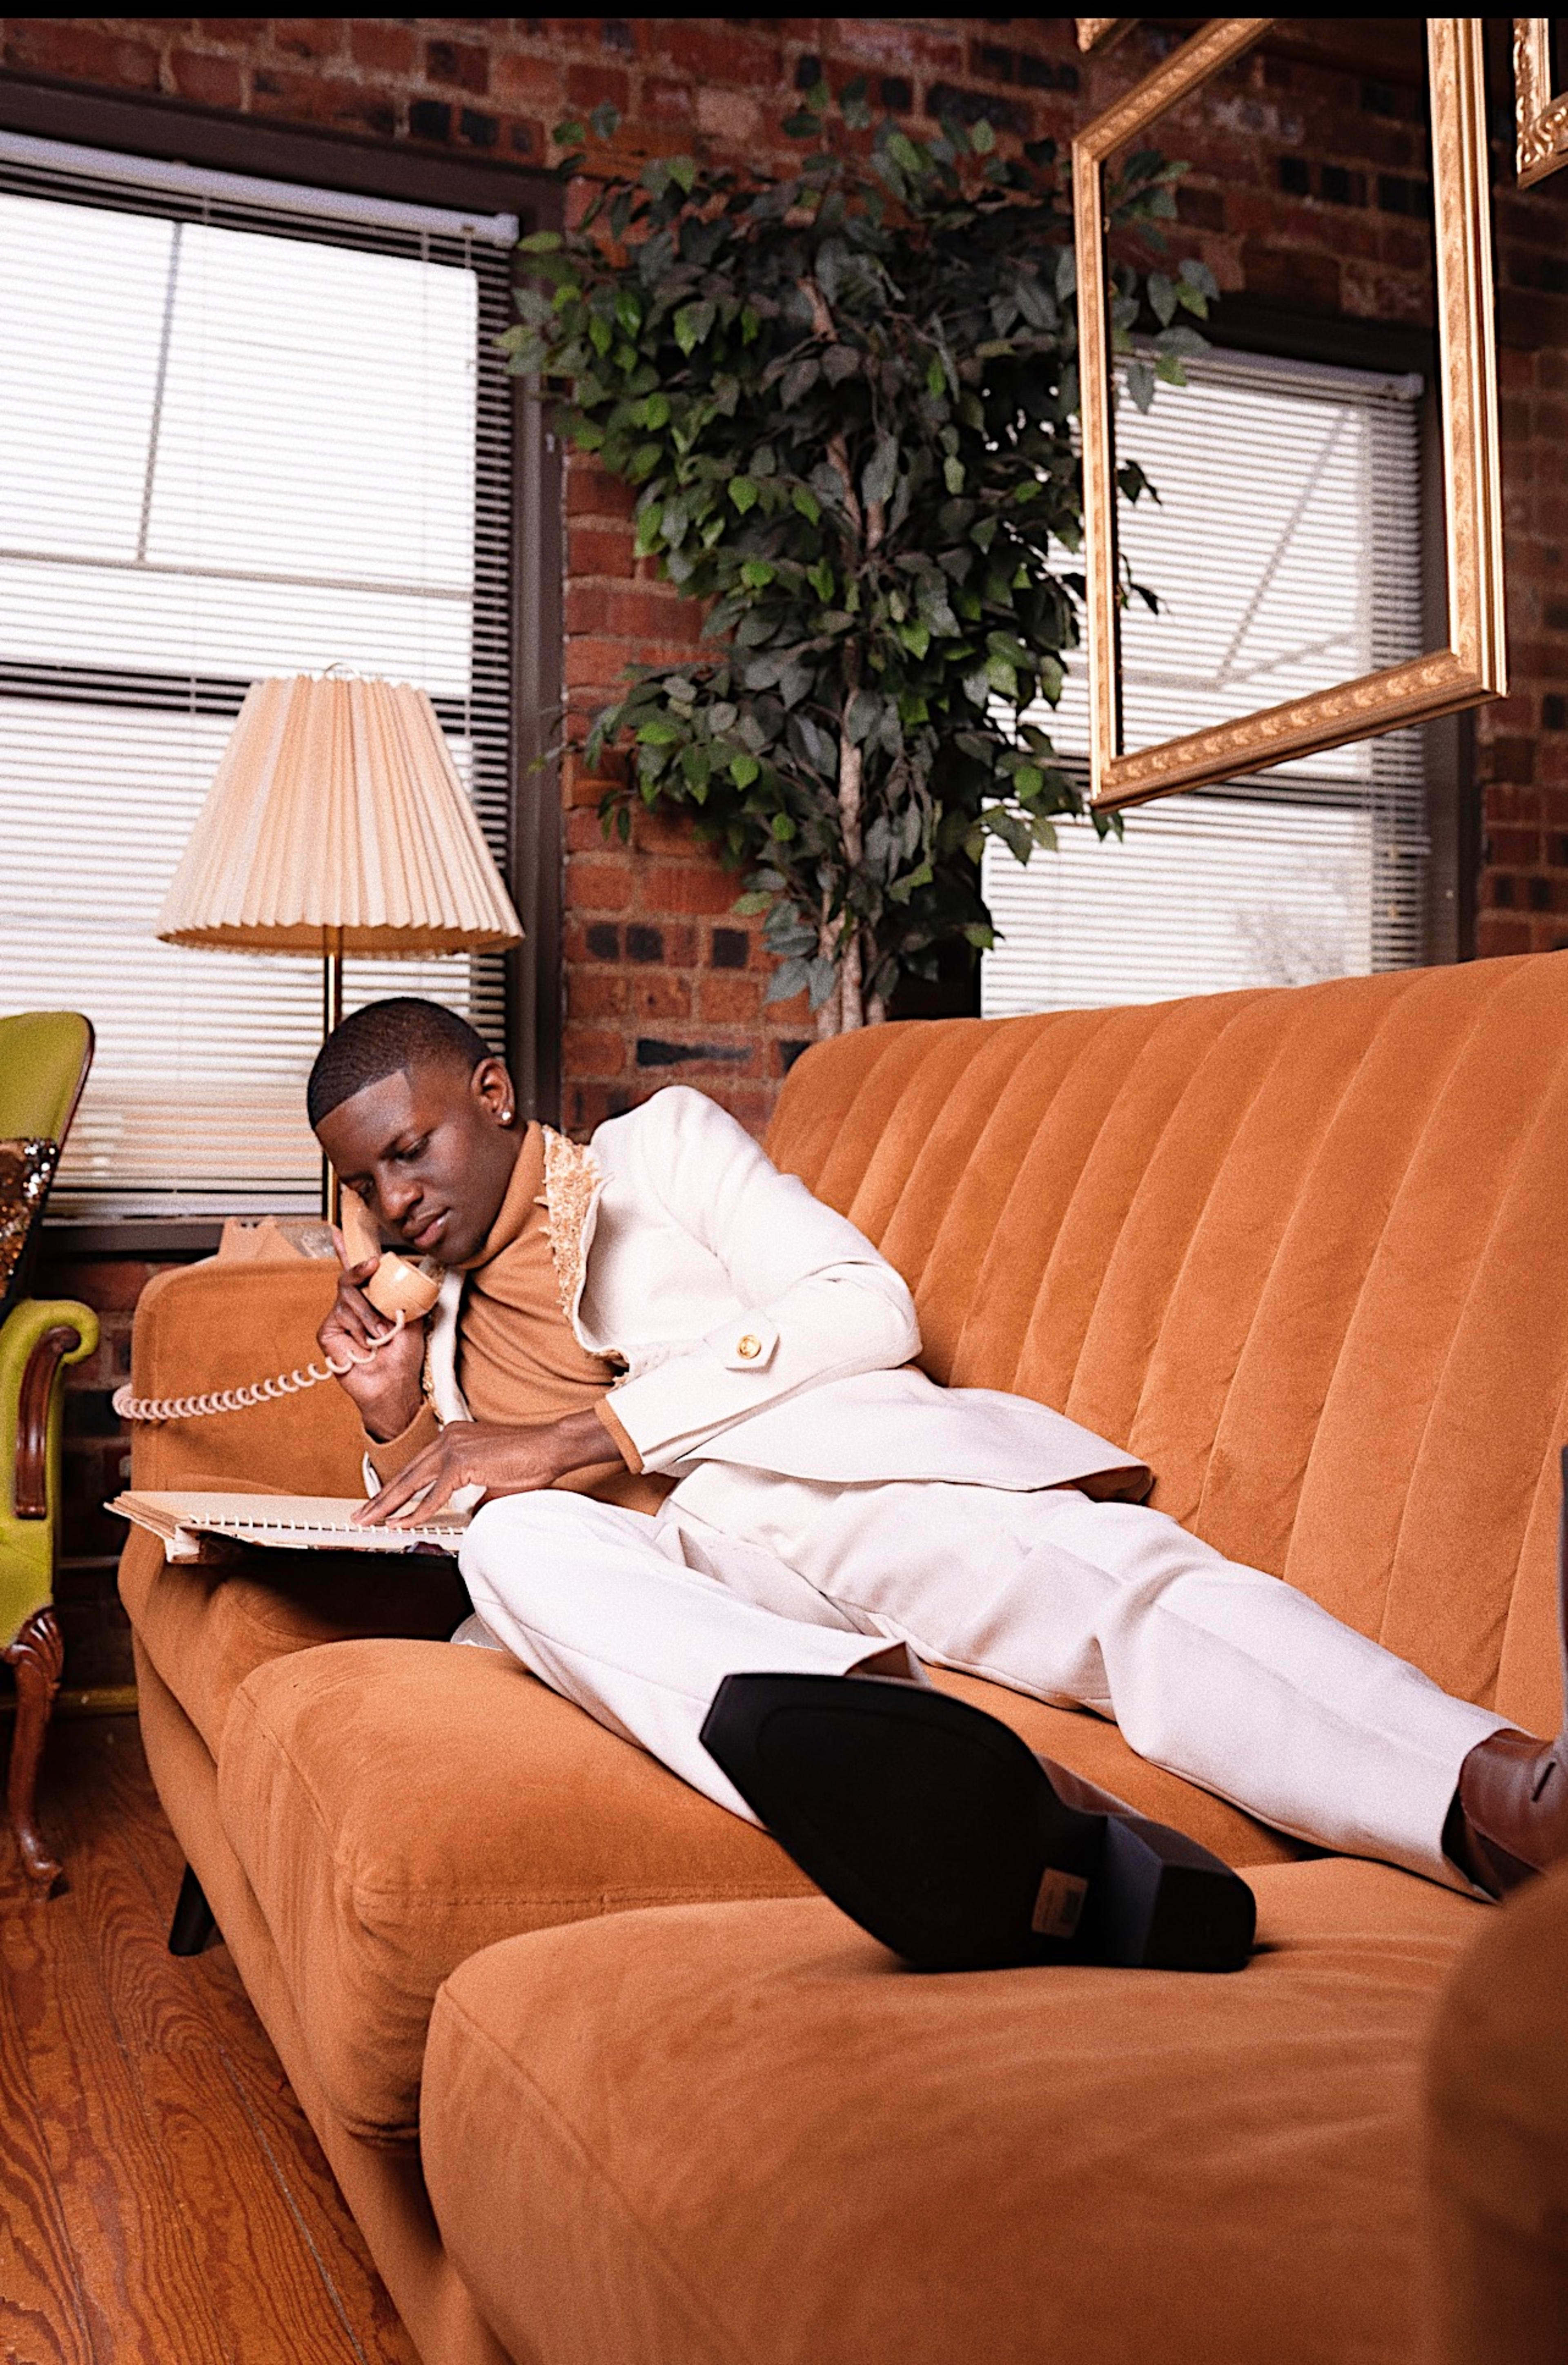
1397 194
479 130
896 94
1295 180
644 944
1503 890
429 118
731 947
652 1053
1204 209
1554 712
790 1051
603 940
808 71
1039 73
945 102
1541 894
1339 187
617 34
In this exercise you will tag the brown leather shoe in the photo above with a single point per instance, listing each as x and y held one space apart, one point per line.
1513 1790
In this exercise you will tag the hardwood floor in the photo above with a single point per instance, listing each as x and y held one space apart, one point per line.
162 2197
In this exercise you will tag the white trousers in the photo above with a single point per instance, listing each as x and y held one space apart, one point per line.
1215 1671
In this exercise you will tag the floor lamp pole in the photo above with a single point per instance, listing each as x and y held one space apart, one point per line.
331 1018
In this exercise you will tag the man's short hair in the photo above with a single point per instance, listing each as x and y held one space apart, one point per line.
380 1039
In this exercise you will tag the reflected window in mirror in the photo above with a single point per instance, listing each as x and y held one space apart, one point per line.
1286 554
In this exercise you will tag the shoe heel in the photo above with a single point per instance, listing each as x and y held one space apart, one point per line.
1166 1904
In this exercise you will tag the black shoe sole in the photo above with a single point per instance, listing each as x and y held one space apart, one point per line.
939 1832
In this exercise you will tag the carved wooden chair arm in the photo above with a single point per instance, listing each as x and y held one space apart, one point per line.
41 1335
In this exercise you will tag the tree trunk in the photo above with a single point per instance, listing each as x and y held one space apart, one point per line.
852 1008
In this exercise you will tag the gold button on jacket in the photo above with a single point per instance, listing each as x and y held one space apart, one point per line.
750 1346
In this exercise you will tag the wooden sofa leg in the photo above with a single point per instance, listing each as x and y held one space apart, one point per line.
36 1656
194 1924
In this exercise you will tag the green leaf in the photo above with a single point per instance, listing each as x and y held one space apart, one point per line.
648 529
659 732
1140 384
747 906
783 828
790 978
982 138
540 242
1162 298
880 473
744 770
744 494
820 577
692 323
953 475
807 504
757 573
901 148
683 173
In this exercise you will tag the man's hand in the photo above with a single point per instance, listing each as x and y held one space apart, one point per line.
487 1454
387 1388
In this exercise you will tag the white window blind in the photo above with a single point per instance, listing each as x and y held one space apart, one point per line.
1285 553
238 436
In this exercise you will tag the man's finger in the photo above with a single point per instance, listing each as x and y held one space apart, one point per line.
409 1482
443 1486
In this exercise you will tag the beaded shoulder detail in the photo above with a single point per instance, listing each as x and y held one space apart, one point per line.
573 1177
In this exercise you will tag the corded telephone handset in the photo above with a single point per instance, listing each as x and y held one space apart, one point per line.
398 1284
399 1288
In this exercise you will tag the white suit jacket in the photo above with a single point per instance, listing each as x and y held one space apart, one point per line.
756 1326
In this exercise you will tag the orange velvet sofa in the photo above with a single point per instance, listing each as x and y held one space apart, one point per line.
604 2083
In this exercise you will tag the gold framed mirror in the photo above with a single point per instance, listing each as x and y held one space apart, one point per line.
1541 121
1419 688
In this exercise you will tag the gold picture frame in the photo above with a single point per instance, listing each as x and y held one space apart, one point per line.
1541 121
1472 667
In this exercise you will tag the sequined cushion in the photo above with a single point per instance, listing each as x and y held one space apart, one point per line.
27 1169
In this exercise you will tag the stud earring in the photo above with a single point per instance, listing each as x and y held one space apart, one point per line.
504 1117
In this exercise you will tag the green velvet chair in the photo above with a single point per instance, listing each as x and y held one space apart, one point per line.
44 1059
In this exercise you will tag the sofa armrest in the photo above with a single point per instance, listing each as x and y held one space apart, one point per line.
204 1327
1496 2223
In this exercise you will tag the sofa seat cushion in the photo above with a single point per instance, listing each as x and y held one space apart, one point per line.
205 1630
398 1805
743 2134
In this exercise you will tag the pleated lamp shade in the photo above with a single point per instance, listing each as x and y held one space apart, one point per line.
337 824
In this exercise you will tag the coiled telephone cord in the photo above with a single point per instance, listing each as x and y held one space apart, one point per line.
260 1392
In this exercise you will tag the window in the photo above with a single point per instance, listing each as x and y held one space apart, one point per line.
1286 557
247 429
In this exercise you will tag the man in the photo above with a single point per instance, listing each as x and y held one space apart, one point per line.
686 1392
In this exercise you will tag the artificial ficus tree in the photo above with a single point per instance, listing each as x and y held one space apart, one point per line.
846 396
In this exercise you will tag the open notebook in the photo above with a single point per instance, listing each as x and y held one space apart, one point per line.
294 1522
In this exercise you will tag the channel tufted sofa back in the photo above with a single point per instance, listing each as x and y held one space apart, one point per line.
1305 1250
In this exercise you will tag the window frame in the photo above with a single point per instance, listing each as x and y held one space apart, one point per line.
174 133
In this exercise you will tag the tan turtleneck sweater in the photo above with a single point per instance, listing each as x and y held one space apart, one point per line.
519 1359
